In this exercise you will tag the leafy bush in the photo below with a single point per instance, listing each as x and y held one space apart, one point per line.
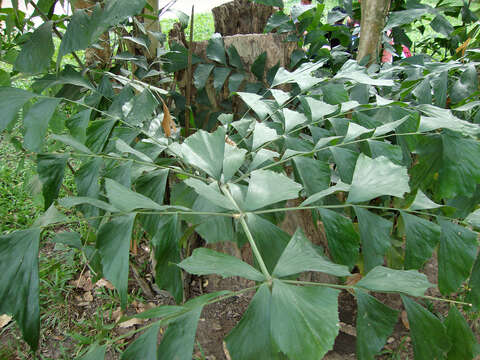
385 159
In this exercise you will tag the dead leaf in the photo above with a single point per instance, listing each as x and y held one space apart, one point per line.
355 278
167 122
117 314
84 282
4 320
88 296
104 283
131 322
405 320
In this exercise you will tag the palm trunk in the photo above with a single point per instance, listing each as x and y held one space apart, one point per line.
374 13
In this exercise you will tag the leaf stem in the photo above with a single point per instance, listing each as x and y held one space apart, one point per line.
336 286
255 250
446 300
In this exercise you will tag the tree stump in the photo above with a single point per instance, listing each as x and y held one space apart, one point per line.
241 17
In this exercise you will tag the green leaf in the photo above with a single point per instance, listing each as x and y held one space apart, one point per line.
19 283
270 239
304 320
220 75
72 201
464 342
293 119
167 254
205 262
177 342
51 168
343 240
422 202
422 237
334 94
11 100
258 66
251 338
145 347
98 133
397 18
466 85
211 193
235 81
84 28
200 77
375 236
142 107
37 52
234 58
126 200
457 252
429 336
96 352
69 238
77 125
474 284
391 152
345 159
320 195
232 161
316 109
205 151
313 174
383 279
36 123
375 322
277 3
300 256
354 131
376 177
113 243
51 216
441 25
423 92
216 49
262 134
268 187
75 144
440 86
256 103
152 185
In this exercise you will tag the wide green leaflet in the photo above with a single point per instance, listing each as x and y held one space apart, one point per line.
96 352
19 283
200 77
343 240
258 66
216 49
72 142
267 187
263 134
474 284
345 159
71 201
375 322
375 236
313 174
205 262
127 200
233 159
220 75
422 236
141 108
384 279
51 216
98 133
11 100
251 338
331 190
466 85
211 193
113 242
458 248
304 320
51 168
300 256
429 336
166 250
36 123
37 52
376 177
205 151
145 347
464 343
256 103
84 29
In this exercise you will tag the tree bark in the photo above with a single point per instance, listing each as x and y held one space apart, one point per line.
241 17
374 13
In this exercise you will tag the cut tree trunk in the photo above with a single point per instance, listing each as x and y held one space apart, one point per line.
374 13
241 17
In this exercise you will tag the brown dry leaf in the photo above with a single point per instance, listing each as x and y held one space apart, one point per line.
405 320
117 314
131 322
88 296
104 283
463 47
229 141
4 320
84 282
167 122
